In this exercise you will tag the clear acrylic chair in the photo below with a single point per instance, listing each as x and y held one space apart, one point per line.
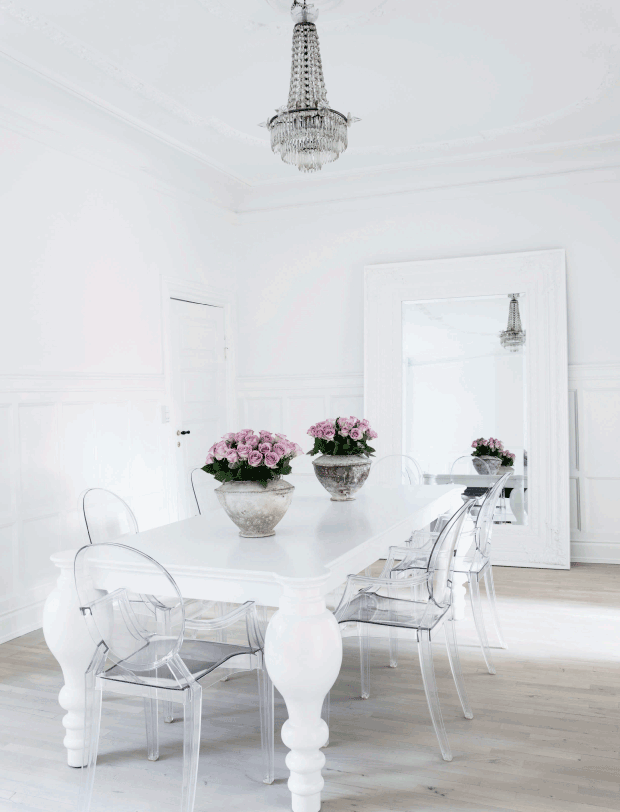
466 461
145 653
204 493
473 559
107 517
397 469
415 603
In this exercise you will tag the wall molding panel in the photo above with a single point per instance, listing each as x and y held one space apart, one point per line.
58 436
292 403
594 401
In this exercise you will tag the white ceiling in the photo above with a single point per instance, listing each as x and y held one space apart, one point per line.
432 80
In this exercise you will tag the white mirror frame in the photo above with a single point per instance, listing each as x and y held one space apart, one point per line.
541 275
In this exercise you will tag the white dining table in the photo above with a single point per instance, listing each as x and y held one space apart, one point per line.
317 544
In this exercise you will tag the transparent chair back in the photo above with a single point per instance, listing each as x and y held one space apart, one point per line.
396 469
484 520
129 624
106 516
464 466
204 491
435 574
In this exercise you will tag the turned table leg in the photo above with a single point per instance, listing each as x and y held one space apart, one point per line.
68 639
303 651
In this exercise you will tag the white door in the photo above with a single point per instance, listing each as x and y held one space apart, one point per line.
198 361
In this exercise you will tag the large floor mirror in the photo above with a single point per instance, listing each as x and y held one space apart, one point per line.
466 373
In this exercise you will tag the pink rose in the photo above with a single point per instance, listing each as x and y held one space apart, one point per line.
240 436
356 434
255 458
278 448
266 436
372 434
344 432
271 459
329 433
244 450
264 448
232 457
230 436
298 450
252 440
221 449
210 459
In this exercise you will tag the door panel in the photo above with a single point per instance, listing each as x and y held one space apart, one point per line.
198 361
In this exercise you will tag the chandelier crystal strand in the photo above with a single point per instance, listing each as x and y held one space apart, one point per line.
513 337
307 132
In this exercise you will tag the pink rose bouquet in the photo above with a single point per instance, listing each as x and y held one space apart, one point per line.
492 448
343 436
246 456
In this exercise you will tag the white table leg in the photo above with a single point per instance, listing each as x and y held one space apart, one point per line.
303 651
68 639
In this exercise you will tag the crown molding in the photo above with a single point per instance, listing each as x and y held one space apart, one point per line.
595 160
108 138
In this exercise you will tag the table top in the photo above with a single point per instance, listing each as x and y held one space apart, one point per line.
316 537
478 480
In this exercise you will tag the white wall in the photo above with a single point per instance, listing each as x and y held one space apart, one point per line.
82 383
301 286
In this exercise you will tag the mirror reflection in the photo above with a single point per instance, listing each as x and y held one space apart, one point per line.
464 394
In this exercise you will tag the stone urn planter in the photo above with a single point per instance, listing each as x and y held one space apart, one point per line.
254 509
342 476
487 464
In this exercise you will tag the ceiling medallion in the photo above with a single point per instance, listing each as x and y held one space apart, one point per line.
513 337
307 132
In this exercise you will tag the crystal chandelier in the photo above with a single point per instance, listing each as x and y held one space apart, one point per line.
307 132
513 337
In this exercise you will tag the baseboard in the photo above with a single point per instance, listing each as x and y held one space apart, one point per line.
21 621
594 552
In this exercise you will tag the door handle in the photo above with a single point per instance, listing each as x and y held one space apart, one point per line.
182 432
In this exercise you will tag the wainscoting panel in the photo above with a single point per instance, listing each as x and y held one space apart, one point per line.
59 436
291 404
595 450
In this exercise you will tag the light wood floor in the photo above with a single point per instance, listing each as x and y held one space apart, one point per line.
546 732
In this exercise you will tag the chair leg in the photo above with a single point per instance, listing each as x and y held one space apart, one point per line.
325 712
168 707
455 666
490 588
152 728
425 652
364 660
393 636
393 641
91 743
476 608
191 745
265 700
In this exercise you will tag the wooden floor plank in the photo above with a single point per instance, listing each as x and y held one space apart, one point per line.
545 736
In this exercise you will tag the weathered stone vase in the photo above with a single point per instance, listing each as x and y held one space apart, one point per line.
256 510
487 464
342 476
